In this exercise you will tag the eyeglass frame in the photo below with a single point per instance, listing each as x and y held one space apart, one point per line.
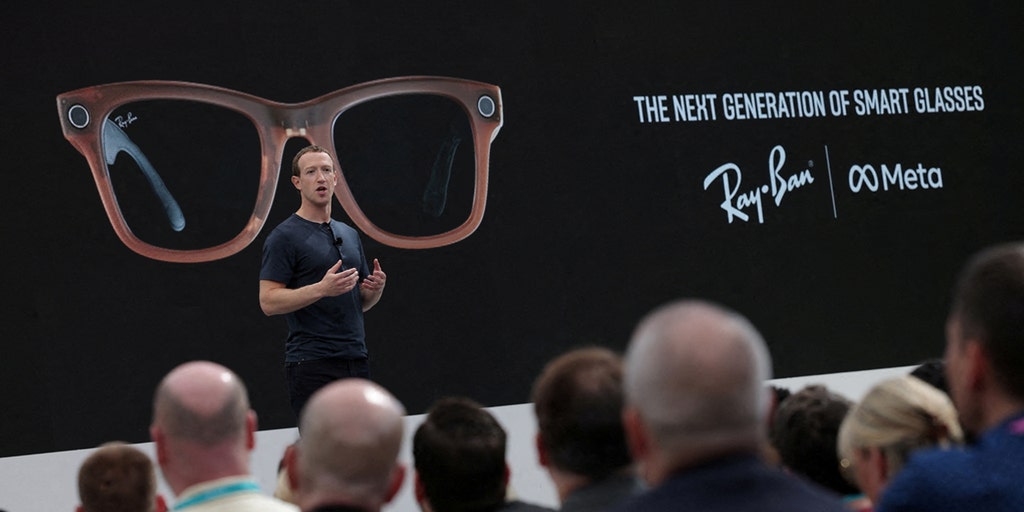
276 123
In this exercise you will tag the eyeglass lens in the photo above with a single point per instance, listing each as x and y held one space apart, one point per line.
185 174
409 161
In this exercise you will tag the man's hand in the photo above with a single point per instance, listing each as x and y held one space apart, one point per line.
373 286
336 283
374 282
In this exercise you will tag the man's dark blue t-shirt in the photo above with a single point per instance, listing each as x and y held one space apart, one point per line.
300 252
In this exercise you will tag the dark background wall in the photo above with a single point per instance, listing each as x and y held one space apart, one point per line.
593 216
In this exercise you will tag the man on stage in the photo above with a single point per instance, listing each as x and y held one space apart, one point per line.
314 272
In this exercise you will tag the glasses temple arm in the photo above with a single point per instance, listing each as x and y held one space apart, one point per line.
435 196
115 141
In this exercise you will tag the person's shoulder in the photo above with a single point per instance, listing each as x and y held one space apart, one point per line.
264 503
341 227
288 228
737 486
522 506
931 479
940 460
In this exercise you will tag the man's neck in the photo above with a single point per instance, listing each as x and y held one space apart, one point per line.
566 482
999 410
317 501
314 213
195 466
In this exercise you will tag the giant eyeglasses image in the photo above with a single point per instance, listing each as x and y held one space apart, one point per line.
175 162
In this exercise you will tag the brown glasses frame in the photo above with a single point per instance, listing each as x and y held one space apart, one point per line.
82 113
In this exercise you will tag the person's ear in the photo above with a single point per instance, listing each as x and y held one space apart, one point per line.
251 424
880 463
395 485
161 503
159 444
636 434
978 368
542 453
419 491
291 467
295 181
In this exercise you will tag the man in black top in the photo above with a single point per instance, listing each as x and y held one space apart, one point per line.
315 273
459 454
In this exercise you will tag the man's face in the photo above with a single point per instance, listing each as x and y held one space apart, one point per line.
316 178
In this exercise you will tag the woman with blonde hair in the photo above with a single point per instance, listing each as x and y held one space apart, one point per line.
896 417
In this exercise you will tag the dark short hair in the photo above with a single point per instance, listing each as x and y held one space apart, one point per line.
988 301
933 371
308 149
578 401
804 432
459 454
117 478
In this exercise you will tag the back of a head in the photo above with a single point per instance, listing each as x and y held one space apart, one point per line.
898 416
578 402
117 478
201 403
695 373
933 371
348 452
988 301
459 453
805 431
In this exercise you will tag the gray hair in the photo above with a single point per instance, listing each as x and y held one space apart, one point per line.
696 371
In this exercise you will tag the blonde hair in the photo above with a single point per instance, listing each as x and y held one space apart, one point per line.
898 416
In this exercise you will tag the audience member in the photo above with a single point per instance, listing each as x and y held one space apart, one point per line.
696 401
347 458
768 452
933 371
118 477
580 441
985 369
459 454
203 431
895 418
283 487
804 432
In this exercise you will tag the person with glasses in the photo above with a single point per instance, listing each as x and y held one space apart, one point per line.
315 273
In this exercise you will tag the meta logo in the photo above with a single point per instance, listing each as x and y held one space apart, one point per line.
866 177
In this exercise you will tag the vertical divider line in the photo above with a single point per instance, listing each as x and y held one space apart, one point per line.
828 164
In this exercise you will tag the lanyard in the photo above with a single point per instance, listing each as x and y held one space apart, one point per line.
1017 427
217 492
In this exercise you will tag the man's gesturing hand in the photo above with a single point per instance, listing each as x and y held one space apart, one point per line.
336 283
374 282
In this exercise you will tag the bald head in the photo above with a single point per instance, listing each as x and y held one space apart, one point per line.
695 375
348 453
202 402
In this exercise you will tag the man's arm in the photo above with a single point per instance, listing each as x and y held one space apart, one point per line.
373 286
277 299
